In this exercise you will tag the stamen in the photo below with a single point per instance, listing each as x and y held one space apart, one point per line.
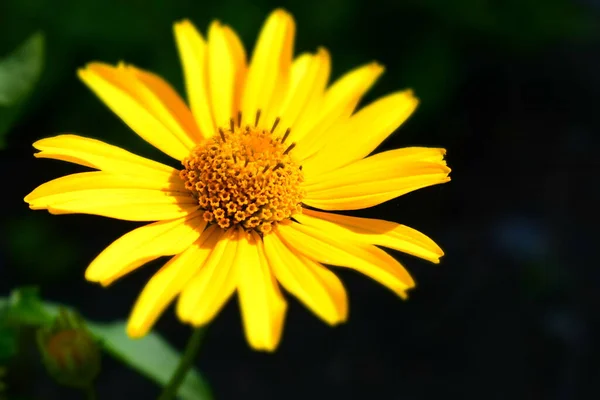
239 119
253 195
257 118
286 134
275 124
290 147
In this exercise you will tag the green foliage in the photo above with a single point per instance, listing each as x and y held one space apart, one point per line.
24 307
19 72
151 356
8 343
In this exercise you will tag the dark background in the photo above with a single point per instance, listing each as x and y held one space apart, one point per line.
510 88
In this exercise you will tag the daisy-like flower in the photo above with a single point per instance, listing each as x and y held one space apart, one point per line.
266 149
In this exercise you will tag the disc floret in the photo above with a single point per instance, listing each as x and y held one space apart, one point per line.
244 176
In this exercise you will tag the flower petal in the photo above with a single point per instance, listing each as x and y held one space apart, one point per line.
312 283
362 133
269 68
120 93
96 154
144 244
227 71
165 103
308 79
193 53
100 180
114 201
376 179
373 231
366 259
339 102
236 48
62 189
213 284
262 305
168 282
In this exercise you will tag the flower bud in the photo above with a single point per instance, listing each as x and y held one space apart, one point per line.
69 352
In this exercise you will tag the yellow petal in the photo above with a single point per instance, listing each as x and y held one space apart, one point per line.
397 163
96 154
193 54
375 179
119 93
308 79
100 180
144 244
67 188
120 203
262 305
362 133
167 283
366 259
227 70
165 103
241 66
213 284
339 102
269 69
373 231
309 281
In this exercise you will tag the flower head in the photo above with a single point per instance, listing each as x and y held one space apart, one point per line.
266 150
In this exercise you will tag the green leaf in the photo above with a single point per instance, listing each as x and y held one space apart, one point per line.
19 72
152 356
8 336
8 343
24 307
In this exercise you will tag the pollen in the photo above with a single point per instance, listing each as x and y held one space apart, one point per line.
245 177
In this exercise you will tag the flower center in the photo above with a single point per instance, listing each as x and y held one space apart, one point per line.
244 177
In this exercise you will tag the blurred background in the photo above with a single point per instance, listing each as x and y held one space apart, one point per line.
510 88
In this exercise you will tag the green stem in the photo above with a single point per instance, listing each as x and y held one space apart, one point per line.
191 350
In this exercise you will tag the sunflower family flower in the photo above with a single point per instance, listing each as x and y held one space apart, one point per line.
267 150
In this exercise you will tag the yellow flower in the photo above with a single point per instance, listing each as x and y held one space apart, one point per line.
263 146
